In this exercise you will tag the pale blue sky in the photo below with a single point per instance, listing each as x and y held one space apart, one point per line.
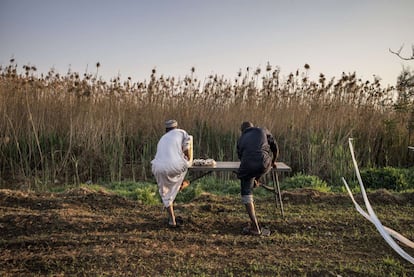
130 38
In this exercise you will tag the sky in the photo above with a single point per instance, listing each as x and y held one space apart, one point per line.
130 38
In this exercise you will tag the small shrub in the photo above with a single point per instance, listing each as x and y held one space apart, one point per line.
385 178
220 187
188 194
146 193
305 181
409 175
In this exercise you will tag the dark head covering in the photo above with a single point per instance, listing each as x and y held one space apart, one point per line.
245 125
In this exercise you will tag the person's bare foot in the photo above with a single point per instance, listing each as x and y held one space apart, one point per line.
255 232
178 222
250 231
184 185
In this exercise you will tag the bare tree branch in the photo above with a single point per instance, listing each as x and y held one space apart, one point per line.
398 53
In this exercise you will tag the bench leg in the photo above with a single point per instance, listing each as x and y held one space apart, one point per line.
277 192
200 176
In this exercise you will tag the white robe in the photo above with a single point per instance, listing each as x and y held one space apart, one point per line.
170 165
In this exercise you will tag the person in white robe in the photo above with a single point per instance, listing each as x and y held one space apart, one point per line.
170 166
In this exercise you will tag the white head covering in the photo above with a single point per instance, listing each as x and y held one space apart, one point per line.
172 123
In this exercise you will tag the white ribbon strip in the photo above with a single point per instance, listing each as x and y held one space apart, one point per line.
390 231
385 232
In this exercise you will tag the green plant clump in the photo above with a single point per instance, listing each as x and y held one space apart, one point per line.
409 175
387 178
305 181
145 193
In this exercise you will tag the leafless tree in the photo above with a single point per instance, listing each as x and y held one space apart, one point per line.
398 53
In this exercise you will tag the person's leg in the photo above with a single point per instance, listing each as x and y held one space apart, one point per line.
252 214
171 215
184 185
258 179
247 199
168 190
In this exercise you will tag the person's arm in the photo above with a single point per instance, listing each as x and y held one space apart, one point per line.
239 153
273 147
186 145
275 155
238 149
187 154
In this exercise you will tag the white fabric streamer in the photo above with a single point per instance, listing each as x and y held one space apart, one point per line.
385 232
390 231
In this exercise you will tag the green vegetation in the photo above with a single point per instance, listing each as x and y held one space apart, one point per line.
389 178
147 192
305 181
143 192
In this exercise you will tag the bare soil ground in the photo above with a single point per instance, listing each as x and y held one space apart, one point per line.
84 232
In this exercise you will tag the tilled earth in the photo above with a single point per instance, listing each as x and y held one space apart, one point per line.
84 232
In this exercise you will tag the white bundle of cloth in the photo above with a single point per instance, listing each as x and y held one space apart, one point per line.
170 165
202 162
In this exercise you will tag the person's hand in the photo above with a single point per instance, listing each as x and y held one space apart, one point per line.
274 165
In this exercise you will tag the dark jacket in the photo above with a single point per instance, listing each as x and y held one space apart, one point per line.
254 149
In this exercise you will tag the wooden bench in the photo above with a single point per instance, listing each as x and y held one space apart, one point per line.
223 166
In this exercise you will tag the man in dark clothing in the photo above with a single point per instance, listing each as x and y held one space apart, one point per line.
257 151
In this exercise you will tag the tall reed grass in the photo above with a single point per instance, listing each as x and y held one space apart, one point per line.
77 128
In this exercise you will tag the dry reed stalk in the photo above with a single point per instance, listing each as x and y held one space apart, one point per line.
109 130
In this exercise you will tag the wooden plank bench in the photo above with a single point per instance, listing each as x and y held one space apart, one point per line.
225 166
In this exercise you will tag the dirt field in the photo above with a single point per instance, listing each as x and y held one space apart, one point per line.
83 232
